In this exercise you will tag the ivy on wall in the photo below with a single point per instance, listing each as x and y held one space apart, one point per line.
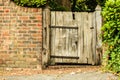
111 34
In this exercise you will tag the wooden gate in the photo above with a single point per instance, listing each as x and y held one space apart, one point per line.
73 37
64 44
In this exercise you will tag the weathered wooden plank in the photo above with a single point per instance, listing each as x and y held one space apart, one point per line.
68 19
52 45
44 42
52 61
94 40
69 42
52 18
85 16
90 38
44 31
74 44
63 38
59 18
59 22
78 17
52 37
52 32
55 42
57 51
46 37
48 30
98 19
60 43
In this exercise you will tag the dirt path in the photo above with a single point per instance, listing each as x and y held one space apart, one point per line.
82 73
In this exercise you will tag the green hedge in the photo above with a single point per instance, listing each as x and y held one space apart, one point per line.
54 6
80 5
111 34
31 3
87 5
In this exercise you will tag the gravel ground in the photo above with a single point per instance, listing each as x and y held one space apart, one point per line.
68 76
82 73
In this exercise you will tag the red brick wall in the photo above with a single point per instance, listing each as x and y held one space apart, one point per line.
20 36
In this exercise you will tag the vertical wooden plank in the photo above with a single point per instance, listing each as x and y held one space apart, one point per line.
98 19
59 18
63 43
57 52
46 39
59 22
52 41
70 43
52 32
90 38
74 46
44 31
94 40
48 30
67 45
85 33
83 54
79 18
44 42
53 18
60 43
68 19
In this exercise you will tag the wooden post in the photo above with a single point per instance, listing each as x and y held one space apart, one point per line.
46 50
98 32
